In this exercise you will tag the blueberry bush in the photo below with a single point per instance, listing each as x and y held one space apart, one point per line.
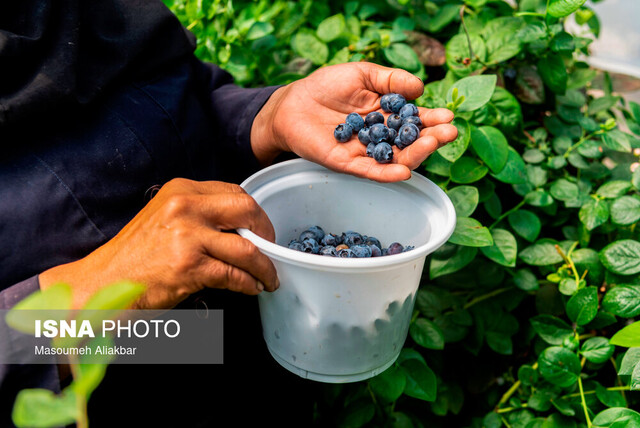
526 317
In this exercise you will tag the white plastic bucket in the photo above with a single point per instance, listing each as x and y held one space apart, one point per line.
343 319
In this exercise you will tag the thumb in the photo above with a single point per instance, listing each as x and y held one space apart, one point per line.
384 80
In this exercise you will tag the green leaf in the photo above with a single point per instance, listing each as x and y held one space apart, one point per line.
504 248
37 408
622 257
477 91
456 148
541 253
357 413
614 188
389 384
90 376
597 349
538 198
610 398
465 199
501 38
421 381
533 156
568 286
564 190
309 46
259 30
560 8
471 233
331 28
628 336
616 140
594 213
526 280
467 170
559 366
562 41
514 170
443 17
583 306
553 73
436 164
457 50
426 334
630 360
625 210
525 223
462 257
551 329
403 56
536 175
23 315
491 146
623 300
617 417
527 375
499 342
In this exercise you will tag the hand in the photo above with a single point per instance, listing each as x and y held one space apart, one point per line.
301 117
178 245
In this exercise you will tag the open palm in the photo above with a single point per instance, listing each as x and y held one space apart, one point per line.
306 113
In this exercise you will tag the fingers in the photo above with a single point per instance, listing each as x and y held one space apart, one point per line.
384 80
219 274
443 133
436 116
240 253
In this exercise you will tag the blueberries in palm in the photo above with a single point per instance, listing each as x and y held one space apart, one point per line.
408 110
363 136
391 134
384 102
343 132
394 121
356 121
370 148
378 132
397 102
407 135
413 119
373 118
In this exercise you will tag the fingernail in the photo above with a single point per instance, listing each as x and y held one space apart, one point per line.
259 286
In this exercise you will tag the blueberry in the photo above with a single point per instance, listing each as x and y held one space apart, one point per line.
384 102
346 253
328 250
343 132
394 121
397 141
383 153
407 135
395 248
378 132
356 121
370 240
375 250
408 110
317 232
370 148
351 238
413 119
329 239
296 245
361 251
363 136
408 248
391 134
310 245
396 102
306 234
373 118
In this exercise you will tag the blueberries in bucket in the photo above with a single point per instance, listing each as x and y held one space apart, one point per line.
348 244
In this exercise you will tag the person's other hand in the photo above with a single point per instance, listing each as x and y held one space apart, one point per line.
302 116
177 245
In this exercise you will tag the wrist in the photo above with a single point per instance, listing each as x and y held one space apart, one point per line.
266 140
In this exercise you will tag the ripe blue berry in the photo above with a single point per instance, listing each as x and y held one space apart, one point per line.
373 118
394 121
363 136
375 251
408 110
310 245
396 102
361 250
306 234
296 245
384 102
370 148
397 141
351 238
356 121
370 240
378 132
328 250
343 132
329 239
346 253
407 135
383 153
395 248
408 248
317 232
391 134
413 119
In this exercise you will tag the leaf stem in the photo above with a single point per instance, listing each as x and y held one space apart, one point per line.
82 420
486 296
503 216
512 390
624 388
584 403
